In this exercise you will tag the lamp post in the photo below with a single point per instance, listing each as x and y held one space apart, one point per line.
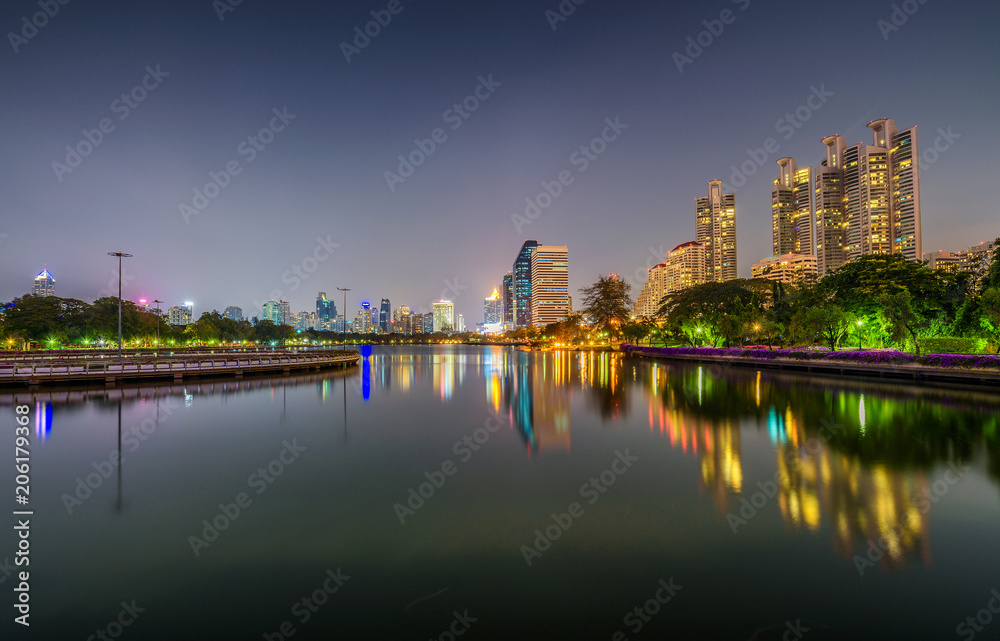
157 327
282 303
120 256
344 326
860 323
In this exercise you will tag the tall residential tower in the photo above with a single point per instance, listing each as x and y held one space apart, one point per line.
716 230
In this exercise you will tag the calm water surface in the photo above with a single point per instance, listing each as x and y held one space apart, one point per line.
854 508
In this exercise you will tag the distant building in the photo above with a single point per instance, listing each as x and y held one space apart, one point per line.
44 285
233 313
301 321
366 321
716 229
278 313
508 300
179 315
686 266
460 323
493 309
326 312
522 284
793 269
428 323
444 316
416 324
974 260
549 284
401 321
384 315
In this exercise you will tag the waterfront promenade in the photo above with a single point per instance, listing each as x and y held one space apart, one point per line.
81 368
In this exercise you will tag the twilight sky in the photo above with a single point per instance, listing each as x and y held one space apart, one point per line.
317 179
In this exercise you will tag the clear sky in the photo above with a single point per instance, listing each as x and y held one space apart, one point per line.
316 197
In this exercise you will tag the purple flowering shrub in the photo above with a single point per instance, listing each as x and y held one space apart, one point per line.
872 357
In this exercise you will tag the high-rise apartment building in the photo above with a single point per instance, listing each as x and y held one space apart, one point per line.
444 316
792 268
233 313
44 284
792 209
974 260
522 284
686 266
863 199
715 228
549 284
277 312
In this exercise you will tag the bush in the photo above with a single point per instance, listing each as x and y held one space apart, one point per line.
953 345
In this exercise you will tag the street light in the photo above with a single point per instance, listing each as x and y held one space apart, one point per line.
120 256
344 326
157 327
282 303
860 323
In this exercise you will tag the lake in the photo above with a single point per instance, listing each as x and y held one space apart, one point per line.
438 492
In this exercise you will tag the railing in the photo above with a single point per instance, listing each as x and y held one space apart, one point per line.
74 369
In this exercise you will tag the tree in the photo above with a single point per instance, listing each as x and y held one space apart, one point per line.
990 319
829 323
900 319
606 302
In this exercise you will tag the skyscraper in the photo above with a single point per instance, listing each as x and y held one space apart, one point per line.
44 285
508 300
685 267
792 209
233 313
831 214
522 284
493 309
867 197
384 315
549 284
444 316
716 229
326 312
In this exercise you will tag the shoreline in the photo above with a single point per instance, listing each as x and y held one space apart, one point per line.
911 371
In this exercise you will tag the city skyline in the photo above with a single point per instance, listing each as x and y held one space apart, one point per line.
315 195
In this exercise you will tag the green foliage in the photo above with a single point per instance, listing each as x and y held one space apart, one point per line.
899 318
953 345
606 302
827 324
